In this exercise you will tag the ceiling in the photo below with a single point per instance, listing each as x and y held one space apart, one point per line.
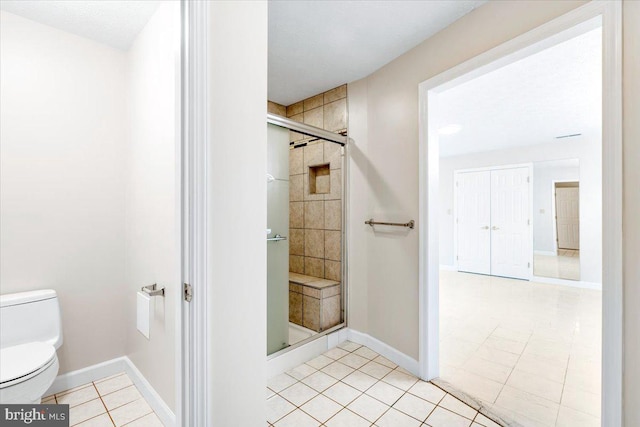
115 22
315 46
555 92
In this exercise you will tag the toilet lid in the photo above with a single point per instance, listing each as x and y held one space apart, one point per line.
21 360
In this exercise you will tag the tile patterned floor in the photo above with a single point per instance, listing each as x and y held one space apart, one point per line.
353 386
564 266
111 401
527 351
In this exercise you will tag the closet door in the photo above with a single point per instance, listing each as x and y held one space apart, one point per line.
473 221
510 233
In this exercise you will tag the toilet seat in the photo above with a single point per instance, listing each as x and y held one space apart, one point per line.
22 362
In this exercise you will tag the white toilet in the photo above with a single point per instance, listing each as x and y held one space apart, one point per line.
30 333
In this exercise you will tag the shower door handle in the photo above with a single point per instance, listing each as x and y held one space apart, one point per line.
276 238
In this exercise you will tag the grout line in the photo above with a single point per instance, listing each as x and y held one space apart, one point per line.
152 412
102 401
430 412
72 390
564 382
89 419
115 391
111 377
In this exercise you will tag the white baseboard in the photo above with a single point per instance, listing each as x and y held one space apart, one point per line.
564 282
548 253
86 375
111 367
297 356
337 337
396 356
448 267
152 397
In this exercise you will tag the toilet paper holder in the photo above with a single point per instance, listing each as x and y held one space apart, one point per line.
153 291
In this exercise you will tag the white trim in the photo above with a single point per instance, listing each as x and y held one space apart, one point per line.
86 375
196 407
567 282
612 182
315 348
152 397
560 29
383 349
339 336
112 367
448 267
181 335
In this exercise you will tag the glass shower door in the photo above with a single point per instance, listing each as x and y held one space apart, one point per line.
277 243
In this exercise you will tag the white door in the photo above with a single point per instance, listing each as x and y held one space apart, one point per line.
568 217
510 234
473 221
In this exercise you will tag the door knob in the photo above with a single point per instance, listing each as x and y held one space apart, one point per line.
495 228
486 227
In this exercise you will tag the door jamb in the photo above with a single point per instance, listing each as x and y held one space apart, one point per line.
195 343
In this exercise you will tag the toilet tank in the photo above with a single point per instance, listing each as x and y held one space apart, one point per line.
30 316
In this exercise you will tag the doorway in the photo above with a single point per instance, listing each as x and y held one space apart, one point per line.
555 32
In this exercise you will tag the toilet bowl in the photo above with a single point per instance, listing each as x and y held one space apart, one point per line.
30 333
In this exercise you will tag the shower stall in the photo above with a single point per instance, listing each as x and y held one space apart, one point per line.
306 286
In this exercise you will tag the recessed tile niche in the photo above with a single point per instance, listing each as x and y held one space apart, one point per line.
320 179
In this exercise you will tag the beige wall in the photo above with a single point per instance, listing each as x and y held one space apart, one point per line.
631 212
384 163
62 181
152 194
384 172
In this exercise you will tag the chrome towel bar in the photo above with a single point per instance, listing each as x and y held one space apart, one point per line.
276 238
409 224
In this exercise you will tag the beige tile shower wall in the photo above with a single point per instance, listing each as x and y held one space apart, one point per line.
278 109
315 220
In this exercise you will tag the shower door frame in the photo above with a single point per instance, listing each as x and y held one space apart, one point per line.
336 138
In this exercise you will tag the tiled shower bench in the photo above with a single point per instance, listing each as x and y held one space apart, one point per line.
314 302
